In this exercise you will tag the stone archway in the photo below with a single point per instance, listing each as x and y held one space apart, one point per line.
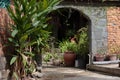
97 25
76 21
64 19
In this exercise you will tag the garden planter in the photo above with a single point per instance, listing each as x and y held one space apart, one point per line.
69 59
82 61
112 57
99 58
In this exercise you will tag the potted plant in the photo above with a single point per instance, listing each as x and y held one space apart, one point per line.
113 51
69 49
82 47
100 55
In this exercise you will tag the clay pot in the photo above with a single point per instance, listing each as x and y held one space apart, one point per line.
112 57
69 59
99 58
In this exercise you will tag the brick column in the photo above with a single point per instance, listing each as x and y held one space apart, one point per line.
4 26
113 20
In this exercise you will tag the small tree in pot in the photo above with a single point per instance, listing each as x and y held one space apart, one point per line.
100 55
69 49
82 47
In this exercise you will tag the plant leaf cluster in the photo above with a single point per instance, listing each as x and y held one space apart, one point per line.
29 33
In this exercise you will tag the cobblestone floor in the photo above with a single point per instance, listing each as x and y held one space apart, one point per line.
65 73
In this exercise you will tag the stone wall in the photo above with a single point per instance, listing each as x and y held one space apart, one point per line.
97 24
113 26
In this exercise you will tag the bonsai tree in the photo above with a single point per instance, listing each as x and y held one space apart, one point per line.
28 34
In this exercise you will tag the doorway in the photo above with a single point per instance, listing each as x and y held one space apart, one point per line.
66 23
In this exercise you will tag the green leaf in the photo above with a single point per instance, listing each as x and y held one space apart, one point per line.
36 23
23 38
10 39
29 53
24 60
14 33
13 60
45 4
16 76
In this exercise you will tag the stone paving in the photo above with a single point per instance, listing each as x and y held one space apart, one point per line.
65 73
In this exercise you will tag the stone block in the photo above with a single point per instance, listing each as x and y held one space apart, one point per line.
2 63
0 75
5 74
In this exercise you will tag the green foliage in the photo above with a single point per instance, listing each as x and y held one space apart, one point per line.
16 76
80 47
29 33
13 60
82 38
67 46
47 57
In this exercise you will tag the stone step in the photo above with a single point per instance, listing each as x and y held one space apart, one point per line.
111 69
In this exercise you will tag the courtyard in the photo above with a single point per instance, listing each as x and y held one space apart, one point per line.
66 73
76 39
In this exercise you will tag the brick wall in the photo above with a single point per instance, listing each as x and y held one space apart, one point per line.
113 24
4 51
4 26
4 21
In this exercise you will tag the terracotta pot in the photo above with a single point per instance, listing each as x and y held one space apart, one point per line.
112 57
69 59
99 58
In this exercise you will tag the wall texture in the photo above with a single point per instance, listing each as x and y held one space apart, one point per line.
97 27
4 51
113 26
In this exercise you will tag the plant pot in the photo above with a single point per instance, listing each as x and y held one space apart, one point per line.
82 64
69 59
82 61
112 57
99 58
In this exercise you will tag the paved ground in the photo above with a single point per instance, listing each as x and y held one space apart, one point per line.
63 73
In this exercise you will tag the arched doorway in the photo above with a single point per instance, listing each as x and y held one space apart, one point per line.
66 22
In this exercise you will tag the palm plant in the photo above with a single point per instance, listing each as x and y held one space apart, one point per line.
29 33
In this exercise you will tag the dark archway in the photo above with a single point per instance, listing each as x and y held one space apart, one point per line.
65 20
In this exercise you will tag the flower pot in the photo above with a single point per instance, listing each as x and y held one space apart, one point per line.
99 57
112 57
82 61
69 59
